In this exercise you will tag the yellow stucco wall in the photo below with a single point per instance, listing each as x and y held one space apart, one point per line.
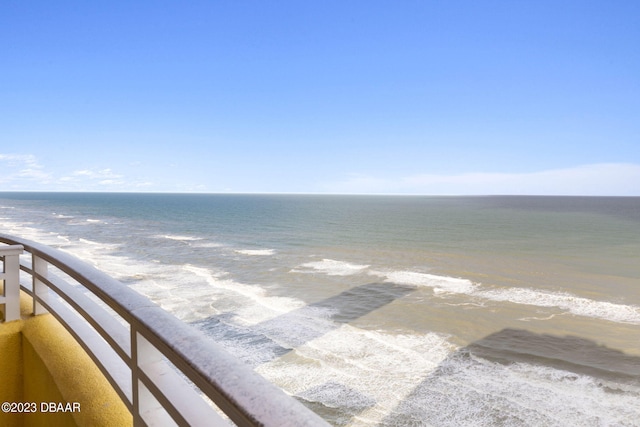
41 363
39 386
11 368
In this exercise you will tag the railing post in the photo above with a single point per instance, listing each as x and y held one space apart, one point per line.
142 353
11 276
40 290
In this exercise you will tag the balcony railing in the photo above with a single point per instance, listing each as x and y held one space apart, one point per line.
134 343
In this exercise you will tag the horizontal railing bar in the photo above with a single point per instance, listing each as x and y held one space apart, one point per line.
164 403
104 323
112 366
179 399
155 416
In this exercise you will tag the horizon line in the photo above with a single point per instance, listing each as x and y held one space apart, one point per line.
309 193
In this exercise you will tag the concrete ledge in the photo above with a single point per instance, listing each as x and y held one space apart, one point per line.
42 364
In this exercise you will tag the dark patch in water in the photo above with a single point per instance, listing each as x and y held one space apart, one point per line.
438 399
268 340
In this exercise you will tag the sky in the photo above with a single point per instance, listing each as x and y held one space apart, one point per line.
359 97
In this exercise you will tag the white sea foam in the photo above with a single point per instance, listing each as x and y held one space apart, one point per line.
467 390
330 267
179 237
24 230
187 296
207 245
352 368
189 292
91 242
440 284
575 305
256 252
297 327
255 306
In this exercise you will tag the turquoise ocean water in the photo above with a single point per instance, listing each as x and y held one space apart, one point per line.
384 310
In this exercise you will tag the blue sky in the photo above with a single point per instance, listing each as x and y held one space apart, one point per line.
401 97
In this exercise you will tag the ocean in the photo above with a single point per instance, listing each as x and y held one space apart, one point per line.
386 310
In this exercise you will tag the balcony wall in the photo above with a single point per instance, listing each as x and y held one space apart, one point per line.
41 363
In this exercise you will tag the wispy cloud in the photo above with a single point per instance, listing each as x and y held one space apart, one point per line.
20 169
91 177
597 179
23 172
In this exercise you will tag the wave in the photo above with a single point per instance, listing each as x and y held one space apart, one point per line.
470 390
350 369
90 242
444 285
440 284
573 304
256 252
250 303
179 237
208 245
330 267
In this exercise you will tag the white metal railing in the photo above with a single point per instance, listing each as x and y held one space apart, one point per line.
136 354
